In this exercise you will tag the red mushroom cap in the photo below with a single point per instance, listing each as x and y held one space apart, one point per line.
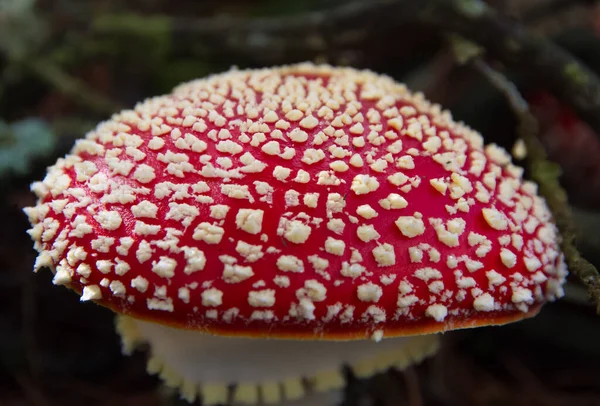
300 201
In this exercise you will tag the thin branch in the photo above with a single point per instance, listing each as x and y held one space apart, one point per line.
588 224
309 35
76 89
511 43
259 40
546 174
571 16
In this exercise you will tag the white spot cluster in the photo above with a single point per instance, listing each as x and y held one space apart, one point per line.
305 193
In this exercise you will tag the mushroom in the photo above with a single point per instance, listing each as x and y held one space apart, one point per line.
261 228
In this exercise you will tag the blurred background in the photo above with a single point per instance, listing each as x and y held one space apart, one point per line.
67 64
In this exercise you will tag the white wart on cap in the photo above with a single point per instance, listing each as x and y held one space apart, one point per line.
296 201
302 202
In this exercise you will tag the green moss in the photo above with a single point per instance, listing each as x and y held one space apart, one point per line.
471 8
133 35
575 72
133 24
464 50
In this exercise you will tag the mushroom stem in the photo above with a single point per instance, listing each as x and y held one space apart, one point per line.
329 398
241 370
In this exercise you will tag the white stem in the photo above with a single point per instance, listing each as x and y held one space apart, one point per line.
329 398
264 370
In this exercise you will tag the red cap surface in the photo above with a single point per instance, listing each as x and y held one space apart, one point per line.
297 201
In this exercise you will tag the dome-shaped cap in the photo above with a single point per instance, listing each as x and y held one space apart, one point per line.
299 201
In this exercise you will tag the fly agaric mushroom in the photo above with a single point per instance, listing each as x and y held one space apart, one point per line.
242 223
